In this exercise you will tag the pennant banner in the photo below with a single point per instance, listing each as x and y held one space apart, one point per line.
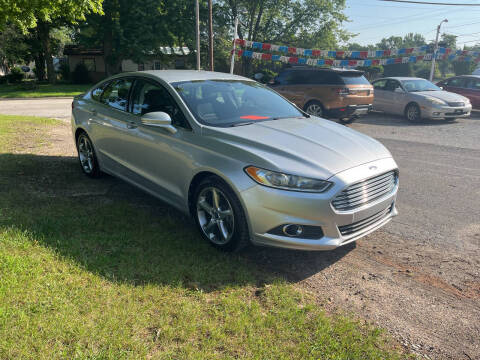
351 54
355 63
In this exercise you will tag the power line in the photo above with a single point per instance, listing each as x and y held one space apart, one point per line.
428 3
461 25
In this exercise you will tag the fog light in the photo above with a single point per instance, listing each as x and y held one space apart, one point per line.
292 230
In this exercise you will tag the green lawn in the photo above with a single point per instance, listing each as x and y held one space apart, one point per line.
43 90
94 269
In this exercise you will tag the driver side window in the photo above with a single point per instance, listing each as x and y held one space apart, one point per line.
150 97
393 85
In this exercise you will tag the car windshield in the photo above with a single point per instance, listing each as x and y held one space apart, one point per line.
419 85
226 103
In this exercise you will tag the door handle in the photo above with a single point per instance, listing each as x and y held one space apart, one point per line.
131 125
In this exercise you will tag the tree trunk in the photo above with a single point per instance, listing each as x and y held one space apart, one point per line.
40 66
44 35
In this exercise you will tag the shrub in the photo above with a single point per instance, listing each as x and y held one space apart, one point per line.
64 71
15 76
3 79
80 75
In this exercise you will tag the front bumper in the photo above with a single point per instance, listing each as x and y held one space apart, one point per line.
269 208
446 112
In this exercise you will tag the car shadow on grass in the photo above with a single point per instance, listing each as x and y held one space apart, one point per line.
112 229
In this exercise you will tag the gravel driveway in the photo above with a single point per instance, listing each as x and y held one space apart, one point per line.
419 277
58 108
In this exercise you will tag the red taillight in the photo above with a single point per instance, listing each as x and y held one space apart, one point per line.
73 105
342 109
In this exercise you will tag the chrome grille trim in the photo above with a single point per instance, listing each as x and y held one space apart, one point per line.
362 224
366 191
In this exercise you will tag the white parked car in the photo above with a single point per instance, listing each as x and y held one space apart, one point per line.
418 99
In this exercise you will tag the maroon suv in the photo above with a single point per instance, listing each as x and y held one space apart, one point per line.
466 85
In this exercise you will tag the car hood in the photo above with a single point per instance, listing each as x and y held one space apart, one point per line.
310 147
442 95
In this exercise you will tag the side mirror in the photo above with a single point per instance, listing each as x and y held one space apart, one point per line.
158 119
399 90
441 87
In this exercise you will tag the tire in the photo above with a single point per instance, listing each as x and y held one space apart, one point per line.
348 120
225 232
314 108
412 113
87 157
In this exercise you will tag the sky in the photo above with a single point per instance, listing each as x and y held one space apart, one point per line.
373 20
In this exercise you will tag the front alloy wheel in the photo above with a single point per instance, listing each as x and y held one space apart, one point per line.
215 215
413 113
219 215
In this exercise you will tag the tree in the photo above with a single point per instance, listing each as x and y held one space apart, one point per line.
45 15
397 42
304 23
136 29
13 49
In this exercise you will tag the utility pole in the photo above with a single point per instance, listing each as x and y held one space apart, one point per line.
232 61
210 33
435 49
197 30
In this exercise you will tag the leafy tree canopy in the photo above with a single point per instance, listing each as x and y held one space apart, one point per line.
27 13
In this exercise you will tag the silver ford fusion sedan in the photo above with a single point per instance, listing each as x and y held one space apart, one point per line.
244 162
418 99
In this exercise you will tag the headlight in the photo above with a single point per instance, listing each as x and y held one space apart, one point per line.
436 101
287 182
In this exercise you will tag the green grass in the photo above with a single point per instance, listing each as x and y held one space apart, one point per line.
43 90
94 269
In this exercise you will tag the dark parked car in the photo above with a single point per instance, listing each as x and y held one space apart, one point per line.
466 85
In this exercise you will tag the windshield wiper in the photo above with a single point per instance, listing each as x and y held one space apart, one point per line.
290 117
242 123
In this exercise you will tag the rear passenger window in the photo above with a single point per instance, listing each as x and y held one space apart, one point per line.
474 84
116 94
457 82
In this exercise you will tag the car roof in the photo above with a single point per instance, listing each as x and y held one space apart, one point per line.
468 76
171 76
331 69
401 78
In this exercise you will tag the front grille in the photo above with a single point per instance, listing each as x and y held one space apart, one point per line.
362 224
456 104
366 191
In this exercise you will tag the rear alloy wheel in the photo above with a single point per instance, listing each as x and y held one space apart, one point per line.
87 157
219 215
412 113
314 108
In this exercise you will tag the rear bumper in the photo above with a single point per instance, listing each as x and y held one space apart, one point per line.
350 111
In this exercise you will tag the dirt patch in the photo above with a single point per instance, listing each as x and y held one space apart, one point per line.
426 297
